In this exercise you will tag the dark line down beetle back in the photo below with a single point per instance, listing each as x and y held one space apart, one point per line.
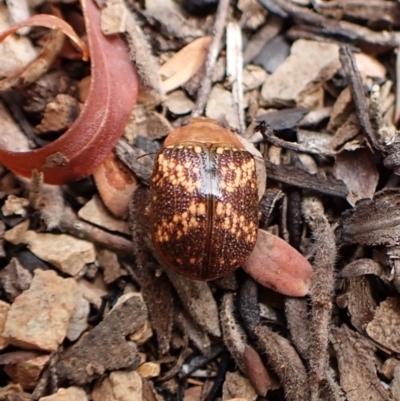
203 210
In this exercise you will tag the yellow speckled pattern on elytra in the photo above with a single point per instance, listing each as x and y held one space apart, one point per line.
204 208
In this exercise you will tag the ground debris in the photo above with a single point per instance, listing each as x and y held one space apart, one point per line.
355 357
373 222
95 212
302 179
39 317
383 327
286 363
67 394
237 386
119 385
310 63
14 279
359 300
27 373
66 253
311 89
105 347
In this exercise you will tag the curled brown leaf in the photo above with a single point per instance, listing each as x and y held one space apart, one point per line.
88 141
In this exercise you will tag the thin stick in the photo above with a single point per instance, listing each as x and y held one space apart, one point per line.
234 70
268 134
357 91
212 55
72 225
397 109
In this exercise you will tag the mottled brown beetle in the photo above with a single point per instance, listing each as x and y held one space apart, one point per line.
204 201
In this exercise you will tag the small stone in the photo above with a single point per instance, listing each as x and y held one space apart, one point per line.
300 76
59 114
171 385
146 123
15 206
91 271
253 77
96 213
67 394
14 279
66 253
111 268
16 234
4 308
126 386
19 50
127 295
14 392
78 323
178 103
255 12
237 399
27 373
12 137
221 107
103 391
93 290
113 18
149 370
388 368
273 54
39 317
142 335
237 386
119 386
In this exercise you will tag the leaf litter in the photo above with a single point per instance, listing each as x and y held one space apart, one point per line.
315 310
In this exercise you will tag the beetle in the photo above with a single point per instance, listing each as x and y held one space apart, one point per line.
203 201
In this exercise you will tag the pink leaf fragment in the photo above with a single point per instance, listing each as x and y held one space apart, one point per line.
276 265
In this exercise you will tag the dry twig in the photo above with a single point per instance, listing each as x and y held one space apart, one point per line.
214 49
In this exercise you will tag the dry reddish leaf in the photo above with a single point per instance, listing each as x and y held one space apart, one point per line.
257 373
111 97
370 66
184 64
193 393
115 184
276 265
